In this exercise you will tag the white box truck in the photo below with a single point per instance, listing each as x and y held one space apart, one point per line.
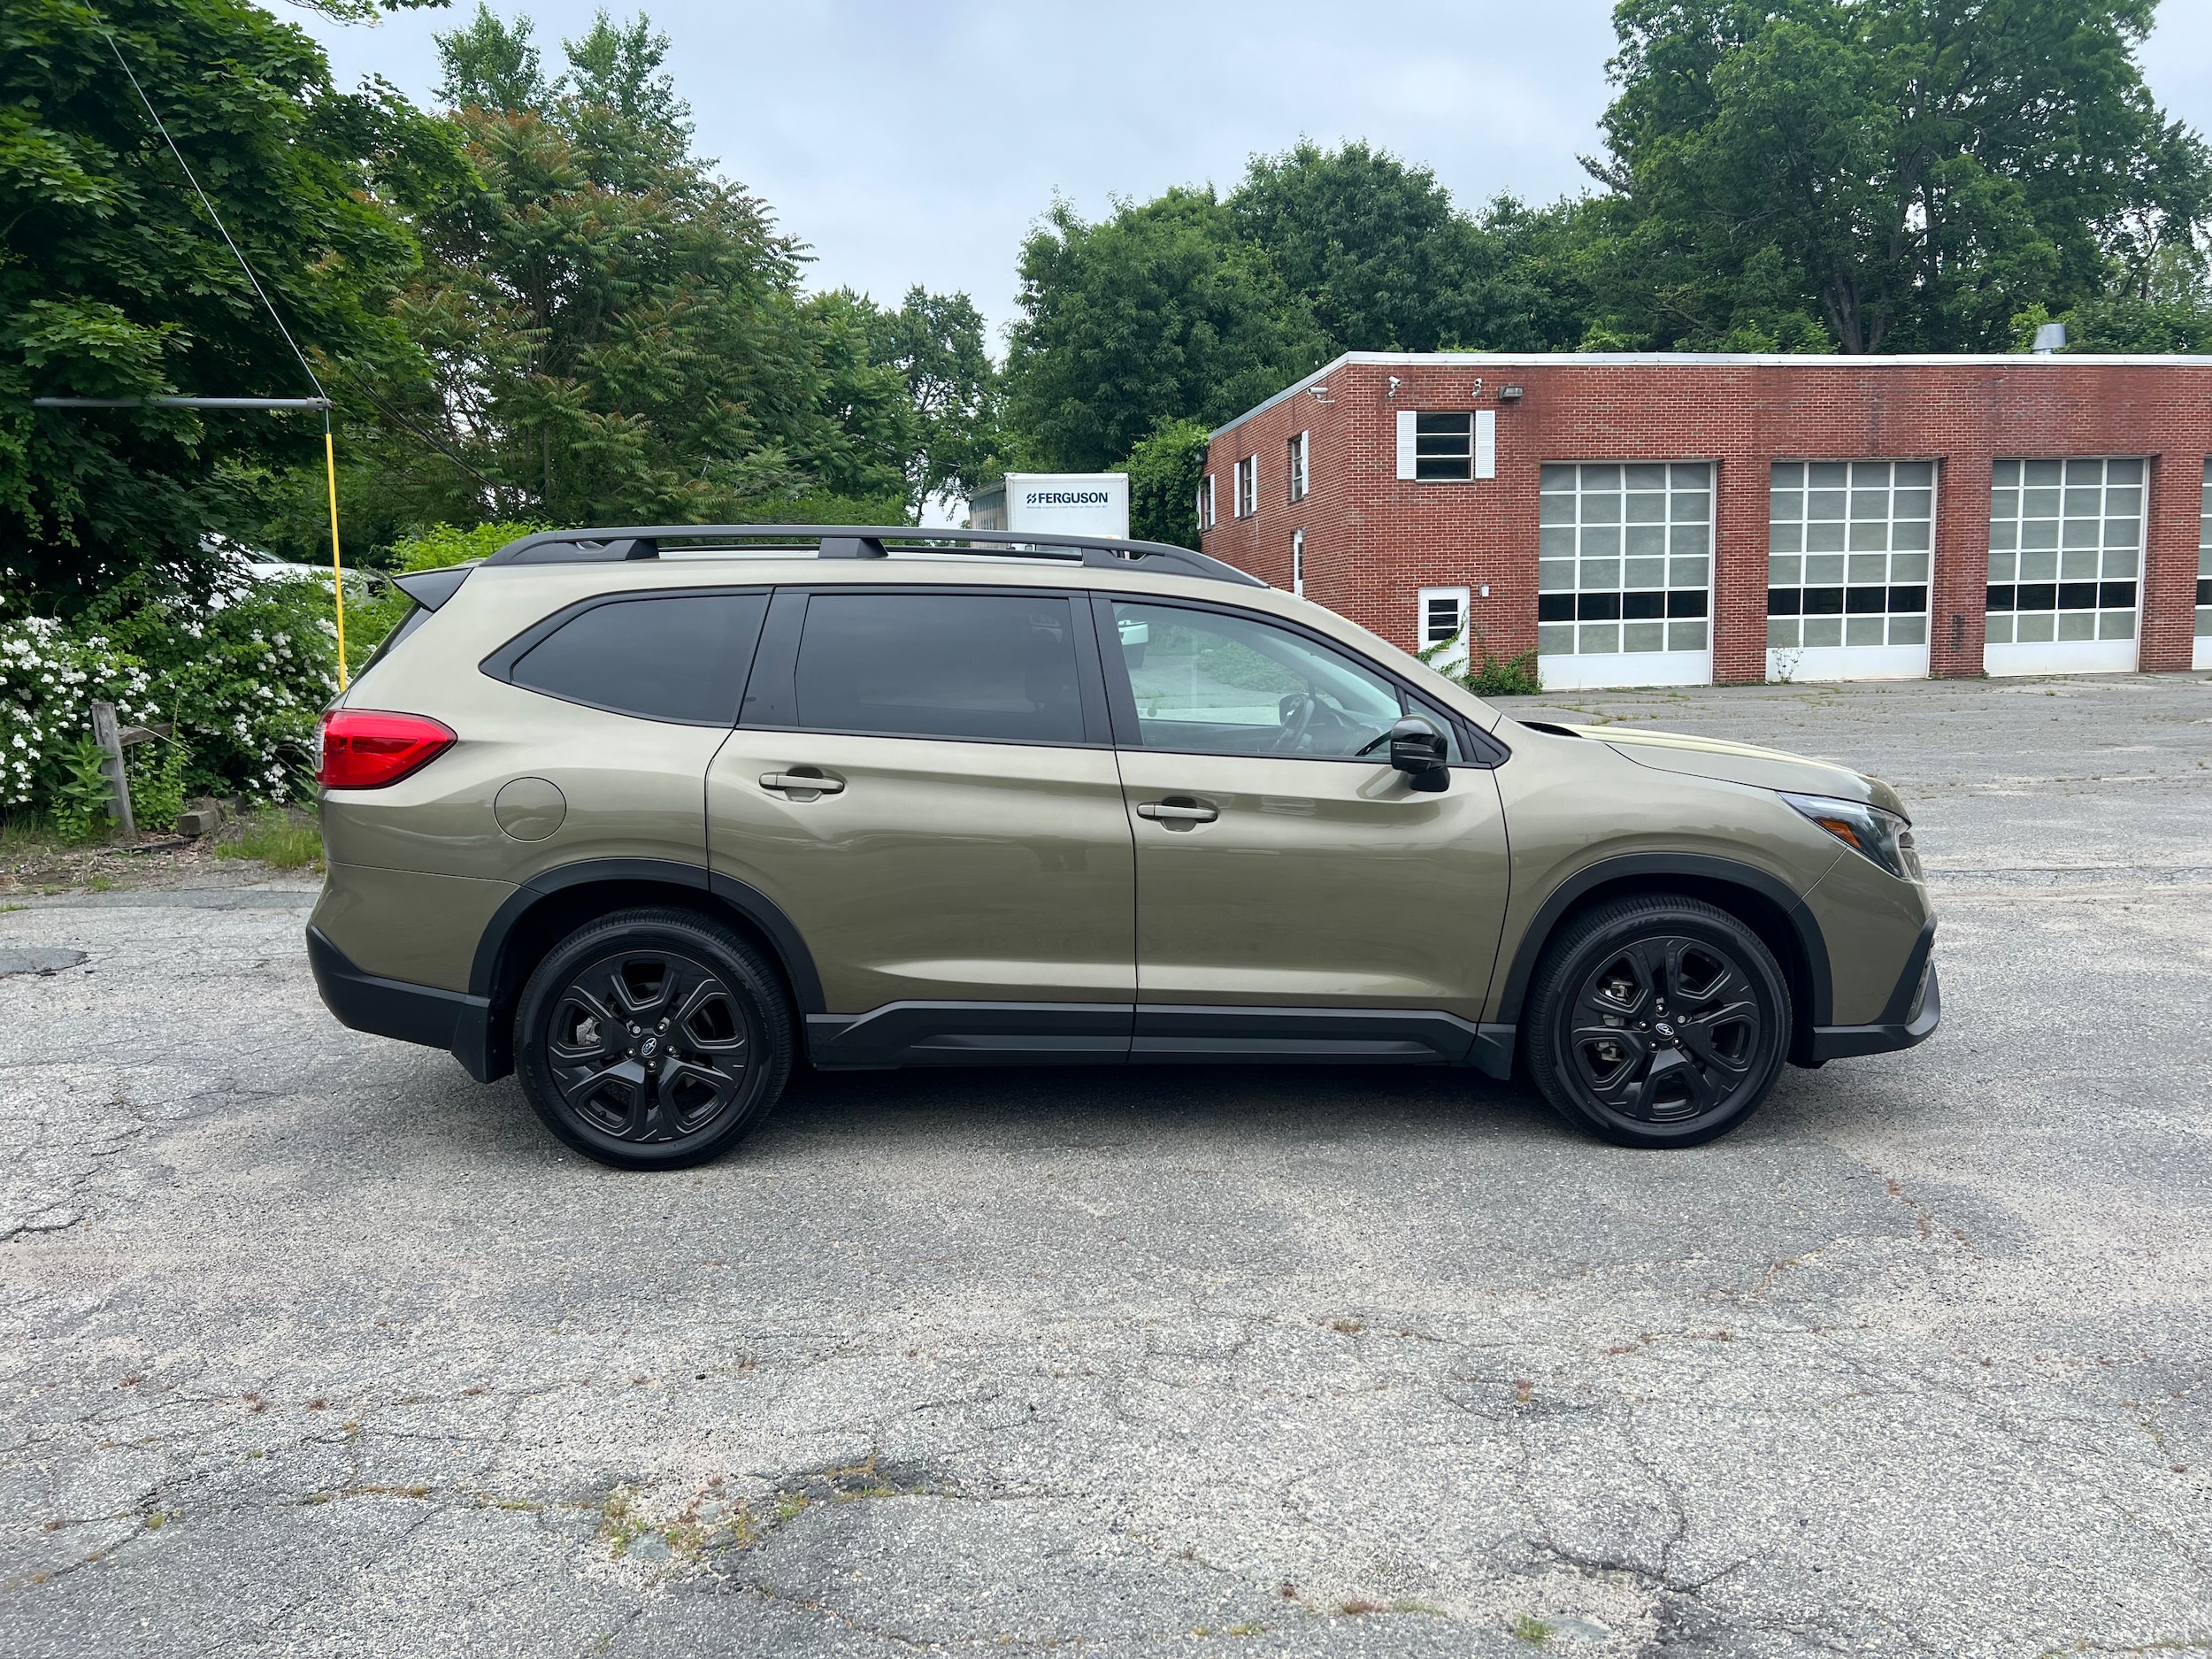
1055 504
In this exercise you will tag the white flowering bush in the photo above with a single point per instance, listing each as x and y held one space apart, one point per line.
243 675
50 678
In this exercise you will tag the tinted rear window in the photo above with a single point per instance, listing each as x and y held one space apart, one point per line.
999 668
675 656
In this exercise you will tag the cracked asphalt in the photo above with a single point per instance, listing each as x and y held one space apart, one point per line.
313 1345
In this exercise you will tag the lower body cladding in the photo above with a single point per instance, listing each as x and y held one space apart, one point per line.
1032 1033
1044 1034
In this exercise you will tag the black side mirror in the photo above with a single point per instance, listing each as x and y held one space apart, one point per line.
1419 749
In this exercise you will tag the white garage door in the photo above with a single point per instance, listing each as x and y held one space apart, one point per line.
1625 575
1849 550
2065 566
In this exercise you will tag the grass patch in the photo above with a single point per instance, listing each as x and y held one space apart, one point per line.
1532 1631
277 839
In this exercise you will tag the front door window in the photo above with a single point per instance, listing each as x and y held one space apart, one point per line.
1207 683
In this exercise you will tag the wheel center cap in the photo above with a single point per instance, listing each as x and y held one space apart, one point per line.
1663 1029
650 1046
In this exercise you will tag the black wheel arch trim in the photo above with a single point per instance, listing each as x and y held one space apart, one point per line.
1700 866
756 907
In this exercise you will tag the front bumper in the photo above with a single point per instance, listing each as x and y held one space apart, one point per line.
1914 1011
452 1020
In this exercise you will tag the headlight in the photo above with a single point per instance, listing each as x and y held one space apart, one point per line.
1882 836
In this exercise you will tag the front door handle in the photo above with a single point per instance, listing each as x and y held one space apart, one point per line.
1173 812
799 782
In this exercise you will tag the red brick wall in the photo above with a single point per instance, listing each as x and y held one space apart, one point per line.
1373 540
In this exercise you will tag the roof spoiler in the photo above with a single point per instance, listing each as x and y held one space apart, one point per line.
872 541
432 588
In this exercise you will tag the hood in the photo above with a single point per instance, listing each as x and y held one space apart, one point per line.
1733 763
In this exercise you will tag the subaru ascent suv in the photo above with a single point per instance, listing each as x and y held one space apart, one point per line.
650 815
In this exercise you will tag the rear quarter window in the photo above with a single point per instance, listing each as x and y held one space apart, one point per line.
680 657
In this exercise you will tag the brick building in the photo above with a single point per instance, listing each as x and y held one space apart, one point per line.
1676 519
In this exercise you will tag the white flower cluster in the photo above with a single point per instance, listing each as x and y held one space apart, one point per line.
47 684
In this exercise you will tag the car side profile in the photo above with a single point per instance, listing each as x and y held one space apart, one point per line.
650 816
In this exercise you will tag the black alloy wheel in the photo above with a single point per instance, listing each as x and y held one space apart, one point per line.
653 1038
1657 1022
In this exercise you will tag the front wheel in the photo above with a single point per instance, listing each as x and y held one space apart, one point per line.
653 1039
1657 1022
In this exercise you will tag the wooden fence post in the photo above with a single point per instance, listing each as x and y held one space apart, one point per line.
110 738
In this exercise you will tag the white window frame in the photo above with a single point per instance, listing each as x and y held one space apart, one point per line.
1824 539
1601 538
2201 652
1299 447
1248 487
1462 600
2061 655
1206 502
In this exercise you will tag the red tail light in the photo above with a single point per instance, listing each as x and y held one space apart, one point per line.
364 748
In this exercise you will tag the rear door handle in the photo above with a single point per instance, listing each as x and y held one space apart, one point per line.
800 781
1177 813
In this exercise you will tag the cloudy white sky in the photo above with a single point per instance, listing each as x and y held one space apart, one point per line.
916 143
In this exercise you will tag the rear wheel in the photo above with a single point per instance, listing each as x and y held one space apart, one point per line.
653 1039
1657 1022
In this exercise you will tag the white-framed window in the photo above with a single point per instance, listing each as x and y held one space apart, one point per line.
1298 449
1443 622
1624 574
1247 486
1298 563
2202 657
1206 502
2065 565
1440 447
1849 547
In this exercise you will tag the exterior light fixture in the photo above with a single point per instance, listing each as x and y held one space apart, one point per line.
1509 394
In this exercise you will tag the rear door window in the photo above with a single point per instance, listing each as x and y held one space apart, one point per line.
680 657
998 668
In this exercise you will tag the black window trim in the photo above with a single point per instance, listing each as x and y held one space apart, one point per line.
772 704
501 662
1483 751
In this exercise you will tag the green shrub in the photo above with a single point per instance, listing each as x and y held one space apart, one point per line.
1493 676
157 772
442 544
81 798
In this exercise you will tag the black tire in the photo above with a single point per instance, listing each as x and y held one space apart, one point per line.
653 1038
1657 1021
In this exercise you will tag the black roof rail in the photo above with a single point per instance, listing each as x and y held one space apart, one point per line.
611 545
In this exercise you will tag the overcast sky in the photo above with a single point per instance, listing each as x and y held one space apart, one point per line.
916 142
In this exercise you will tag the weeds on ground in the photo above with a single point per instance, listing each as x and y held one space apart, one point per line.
277 839
1530 1630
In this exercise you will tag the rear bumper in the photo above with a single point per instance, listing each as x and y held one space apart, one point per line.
452 1020
1915 1010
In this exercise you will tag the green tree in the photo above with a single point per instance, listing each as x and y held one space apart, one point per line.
1387 262
1163 473
114 283
1160 311
607 329
1878 174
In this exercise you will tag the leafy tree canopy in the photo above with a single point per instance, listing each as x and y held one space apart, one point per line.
1158 311
114 283
1870 175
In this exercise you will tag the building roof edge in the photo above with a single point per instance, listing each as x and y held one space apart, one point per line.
1707 359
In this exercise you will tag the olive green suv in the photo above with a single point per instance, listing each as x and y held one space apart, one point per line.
650 815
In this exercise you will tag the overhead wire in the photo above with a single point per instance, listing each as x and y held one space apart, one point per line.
330 453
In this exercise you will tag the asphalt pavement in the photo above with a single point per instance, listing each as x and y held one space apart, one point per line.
311 1345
